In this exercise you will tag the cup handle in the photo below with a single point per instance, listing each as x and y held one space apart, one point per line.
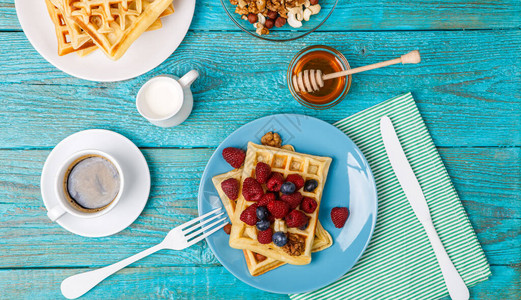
189 77
55 213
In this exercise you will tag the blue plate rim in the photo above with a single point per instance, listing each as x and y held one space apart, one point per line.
375 212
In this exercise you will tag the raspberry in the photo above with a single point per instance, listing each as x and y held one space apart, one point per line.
227 228
249 215
259 257
278 209
304 227
262 172
292 199
339 216
252 190
264 237
270 218
297 180
308 205
266 199
296 218
275 182
233 156
231 188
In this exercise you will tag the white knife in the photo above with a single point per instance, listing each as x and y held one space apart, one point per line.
410 185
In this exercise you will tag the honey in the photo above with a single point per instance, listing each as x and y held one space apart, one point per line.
328 63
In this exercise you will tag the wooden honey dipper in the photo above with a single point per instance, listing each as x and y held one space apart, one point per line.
312 80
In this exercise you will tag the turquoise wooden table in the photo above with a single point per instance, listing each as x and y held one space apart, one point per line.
468 89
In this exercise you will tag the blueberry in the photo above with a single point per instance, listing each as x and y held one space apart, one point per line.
263 225
287 188
279 238
310 185
262 212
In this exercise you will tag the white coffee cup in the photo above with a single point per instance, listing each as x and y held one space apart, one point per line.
64 205
165 100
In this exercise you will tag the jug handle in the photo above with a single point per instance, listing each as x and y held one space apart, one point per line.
188 78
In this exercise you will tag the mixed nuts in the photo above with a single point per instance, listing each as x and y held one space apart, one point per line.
266 14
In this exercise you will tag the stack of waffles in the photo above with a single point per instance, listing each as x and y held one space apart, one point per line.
314 237
83 26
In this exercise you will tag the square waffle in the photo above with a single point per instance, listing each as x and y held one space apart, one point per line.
63 33
77 37
71 38
257 267
114 25
286 162
158 24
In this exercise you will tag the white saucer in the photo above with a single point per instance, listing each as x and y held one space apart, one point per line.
133 165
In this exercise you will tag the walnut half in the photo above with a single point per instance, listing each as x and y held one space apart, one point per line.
295 245
272 139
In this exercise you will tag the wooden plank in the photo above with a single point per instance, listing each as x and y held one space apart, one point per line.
365 15
485 179
505 283
487 173
211 282
467 89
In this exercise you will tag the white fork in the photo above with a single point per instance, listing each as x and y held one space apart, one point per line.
179 238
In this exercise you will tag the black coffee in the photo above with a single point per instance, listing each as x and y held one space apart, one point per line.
92 183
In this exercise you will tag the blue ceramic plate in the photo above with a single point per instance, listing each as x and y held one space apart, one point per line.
349 183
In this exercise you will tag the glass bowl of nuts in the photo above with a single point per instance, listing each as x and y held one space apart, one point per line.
279 20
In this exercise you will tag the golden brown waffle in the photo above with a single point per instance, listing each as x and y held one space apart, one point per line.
255 266
158 24
77 37
168 11
285 162
324 240
63 33
114 25
85 52
71 38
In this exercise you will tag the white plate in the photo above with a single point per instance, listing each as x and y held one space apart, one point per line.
147 52
133 165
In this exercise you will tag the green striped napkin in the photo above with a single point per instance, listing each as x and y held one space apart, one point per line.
399 262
